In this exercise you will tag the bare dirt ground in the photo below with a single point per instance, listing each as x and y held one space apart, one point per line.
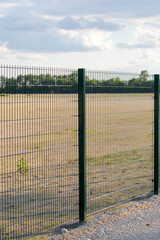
43 131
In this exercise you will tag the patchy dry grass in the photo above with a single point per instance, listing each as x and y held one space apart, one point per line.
43 130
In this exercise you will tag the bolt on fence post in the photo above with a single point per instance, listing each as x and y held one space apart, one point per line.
82 145
156 134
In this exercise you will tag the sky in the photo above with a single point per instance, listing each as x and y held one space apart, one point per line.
111 35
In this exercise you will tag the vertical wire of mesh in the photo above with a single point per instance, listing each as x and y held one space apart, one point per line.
119 148
39 149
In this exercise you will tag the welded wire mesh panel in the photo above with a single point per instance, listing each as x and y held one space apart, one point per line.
39 153
119 128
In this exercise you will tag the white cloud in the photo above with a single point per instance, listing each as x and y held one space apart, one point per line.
30 56
50 17
94 38
71 33
3 48
5 53
102 33
5 5
97 38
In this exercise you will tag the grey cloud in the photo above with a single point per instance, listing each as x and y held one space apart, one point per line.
116 8
25 23
140 45
51 41
109 26
68 23
31 33
25 30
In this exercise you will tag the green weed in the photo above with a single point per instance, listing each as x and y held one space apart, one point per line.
134 151
3 94
37 147
22 166
110 162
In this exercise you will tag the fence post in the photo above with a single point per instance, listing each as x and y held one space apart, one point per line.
82 145
156 134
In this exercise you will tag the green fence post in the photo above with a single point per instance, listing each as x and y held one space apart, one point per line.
82 145
156 134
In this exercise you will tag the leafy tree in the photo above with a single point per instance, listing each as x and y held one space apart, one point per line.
149 83
143 77
134 82
73 78
41 83
93 82
110 82
118 82
3 80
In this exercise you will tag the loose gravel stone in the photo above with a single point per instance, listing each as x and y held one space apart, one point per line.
64 230
140 220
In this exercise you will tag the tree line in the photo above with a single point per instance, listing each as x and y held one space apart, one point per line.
47 83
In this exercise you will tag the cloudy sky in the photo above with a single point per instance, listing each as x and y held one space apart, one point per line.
118 35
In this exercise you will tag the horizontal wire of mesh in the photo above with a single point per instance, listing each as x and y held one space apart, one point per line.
119 138
39 149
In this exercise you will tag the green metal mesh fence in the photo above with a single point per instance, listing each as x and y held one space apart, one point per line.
39 175
39 149
119 136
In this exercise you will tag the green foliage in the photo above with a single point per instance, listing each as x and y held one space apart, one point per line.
47 83
3 94
22 166
143 77
142 80
134 151
134 82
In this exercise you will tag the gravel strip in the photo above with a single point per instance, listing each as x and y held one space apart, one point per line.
140 220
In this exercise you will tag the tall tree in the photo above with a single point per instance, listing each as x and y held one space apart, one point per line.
143 77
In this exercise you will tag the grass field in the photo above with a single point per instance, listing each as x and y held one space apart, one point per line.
39 156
